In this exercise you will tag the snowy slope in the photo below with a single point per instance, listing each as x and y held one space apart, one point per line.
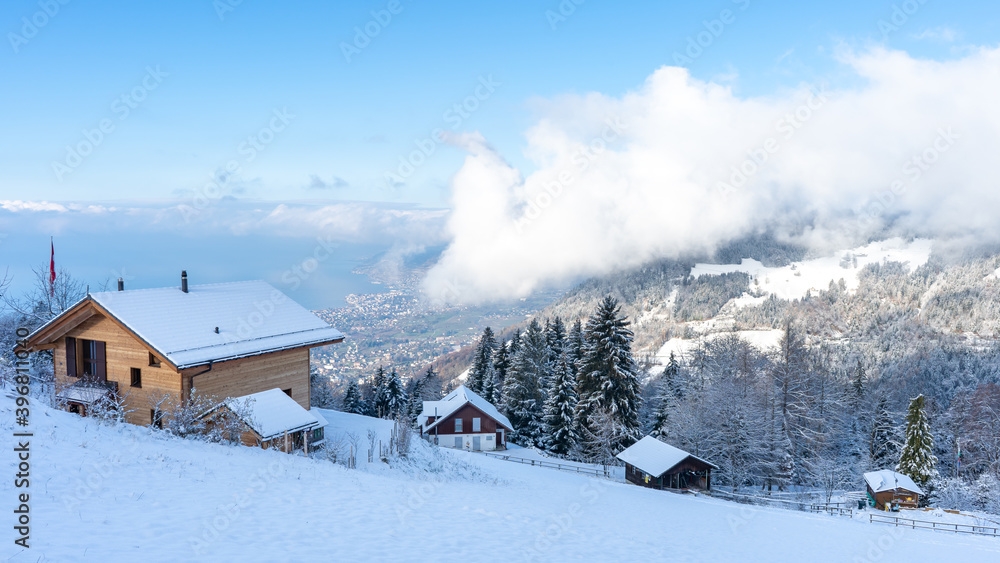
798 278
125 494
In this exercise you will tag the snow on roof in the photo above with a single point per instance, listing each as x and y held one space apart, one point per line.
252 318
455 400
887 480
85 392
655 457
271 413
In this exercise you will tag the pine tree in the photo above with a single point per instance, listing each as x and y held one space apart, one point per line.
574 346
882 443
379 399
320 390
353 403
415 395
481 361
560 431
395 397
608 377
668 395
490 384
917 460
522 397
501 364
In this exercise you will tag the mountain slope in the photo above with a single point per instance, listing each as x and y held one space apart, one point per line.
123 493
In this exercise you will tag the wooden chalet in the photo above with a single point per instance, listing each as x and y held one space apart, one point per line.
224 340
463 420
888 490
271 419
657 465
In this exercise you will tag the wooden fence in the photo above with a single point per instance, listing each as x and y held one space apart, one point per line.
603 472
939 526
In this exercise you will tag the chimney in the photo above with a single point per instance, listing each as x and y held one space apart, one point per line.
121 284
184 281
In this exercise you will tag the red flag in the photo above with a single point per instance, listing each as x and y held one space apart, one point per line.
52 270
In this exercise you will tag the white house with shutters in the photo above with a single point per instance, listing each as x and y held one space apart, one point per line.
463 420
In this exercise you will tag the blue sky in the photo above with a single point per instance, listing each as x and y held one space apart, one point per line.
223 73
278 123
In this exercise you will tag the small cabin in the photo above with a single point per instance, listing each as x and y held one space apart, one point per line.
149 348
463 420
658 465
888 490
272 419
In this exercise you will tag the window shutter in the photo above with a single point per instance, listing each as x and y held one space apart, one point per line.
70 356
102 361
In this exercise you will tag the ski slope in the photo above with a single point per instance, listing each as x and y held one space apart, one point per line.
799 278
102 493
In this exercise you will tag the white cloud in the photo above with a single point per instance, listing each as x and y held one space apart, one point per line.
621 180
940 34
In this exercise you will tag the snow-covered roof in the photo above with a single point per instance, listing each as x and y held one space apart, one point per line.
655 457
86 392
455 400
887 480
271 413
252 318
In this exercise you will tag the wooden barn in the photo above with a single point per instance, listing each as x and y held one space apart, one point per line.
888 490
147 345
465 421
657 465
272 419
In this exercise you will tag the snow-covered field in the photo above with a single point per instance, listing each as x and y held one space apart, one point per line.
799 278
125 494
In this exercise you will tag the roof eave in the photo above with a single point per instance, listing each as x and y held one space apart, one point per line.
315 344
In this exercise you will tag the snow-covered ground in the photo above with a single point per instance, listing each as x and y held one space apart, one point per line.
799 278
763 340
126 494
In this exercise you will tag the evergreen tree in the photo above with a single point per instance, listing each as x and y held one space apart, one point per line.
415 396
882 443
481 361
668 395
608 377
320 390
522 397
560 430
515 342
501 363
431 386
858 387
555 337
491 387
395 397
917 460
353 403
379 398
574 346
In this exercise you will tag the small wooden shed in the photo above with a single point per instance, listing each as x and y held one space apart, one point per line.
658 465
888 490
272 419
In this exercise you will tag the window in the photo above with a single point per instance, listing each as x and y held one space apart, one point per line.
287 392
458 442
88 355
156 418
458 425
136 377
153 361
318 434
477 425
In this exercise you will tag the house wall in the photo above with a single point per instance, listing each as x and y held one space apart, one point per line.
123 352
288 369
488 442
883 500
467 413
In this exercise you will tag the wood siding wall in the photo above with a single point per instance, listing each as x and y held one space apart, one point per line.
466 413
123 352
288 369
